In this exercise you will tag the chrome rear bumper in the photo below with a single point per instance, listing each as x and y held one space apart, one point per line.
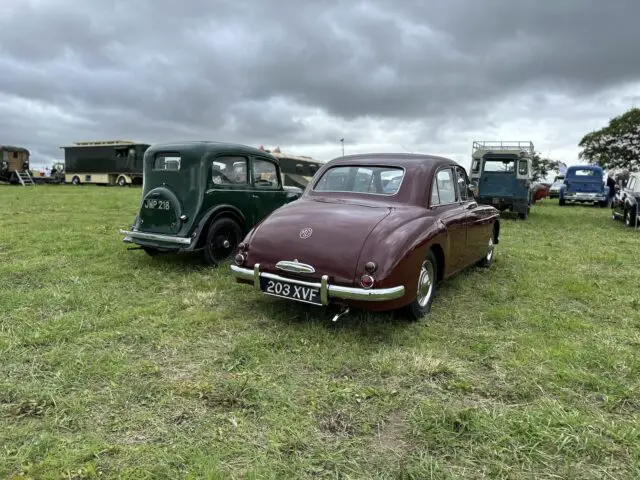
156 237
327 291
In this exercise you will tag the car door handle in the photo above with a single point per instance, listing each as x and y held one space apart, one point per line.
255 196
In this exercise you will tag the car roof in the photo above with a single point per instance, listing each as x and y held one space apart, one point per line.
583 167
418 167
208 145
407 160
11 148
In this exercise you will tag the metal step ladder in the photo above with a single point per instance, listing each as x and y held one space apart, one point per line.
25 179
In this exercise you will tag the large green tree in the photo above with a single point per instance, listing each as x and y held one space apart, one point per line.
541 167
616 146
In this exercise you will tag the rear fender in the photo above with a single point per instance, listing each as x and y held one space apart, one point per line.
210 215
399 252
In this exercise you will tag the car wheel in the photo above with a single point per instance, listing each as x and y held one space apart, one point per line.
75 181
427 278
122 182
523 215
223 238
487 260
629 216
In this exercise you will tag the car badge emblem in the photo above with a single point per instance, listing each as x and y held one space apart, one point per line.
306 232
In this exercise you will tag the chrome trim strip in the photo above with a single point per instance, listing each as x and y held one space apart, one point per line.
155 236
326 290
294 267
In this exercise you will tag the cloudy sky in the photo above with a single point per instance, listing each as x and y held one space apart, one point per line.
410 75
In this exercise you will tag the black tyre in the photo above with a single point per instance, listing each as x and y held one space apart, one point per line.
426 290
122 182
223 237
75 180
630 217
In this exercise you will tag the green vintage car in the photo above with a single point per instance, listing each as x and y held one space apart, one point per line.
205 196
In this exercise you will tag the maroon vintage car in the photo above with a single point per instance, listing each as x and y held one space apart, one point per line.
373 231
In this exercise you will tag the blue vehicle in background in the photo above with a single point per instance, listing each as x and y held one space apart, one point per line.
584 184
501 173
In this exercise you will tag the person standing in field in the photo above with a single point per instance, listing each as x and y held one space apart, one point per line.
611 183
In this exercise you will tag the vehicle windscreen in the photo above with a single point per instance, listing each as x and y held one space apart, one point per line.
361 179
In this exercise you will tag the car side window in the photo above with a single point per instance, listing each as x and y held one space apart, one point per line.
446 186
229 170
463 184
265 174
435 196
523 167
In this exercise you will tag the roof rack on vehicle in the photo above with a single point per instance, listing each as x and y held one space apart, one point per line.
496 146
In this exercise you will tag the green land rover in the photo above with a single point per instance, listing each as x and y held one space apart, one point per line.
205 196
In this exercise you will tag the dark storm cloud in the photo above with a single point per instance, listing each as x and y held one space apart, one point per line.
254 71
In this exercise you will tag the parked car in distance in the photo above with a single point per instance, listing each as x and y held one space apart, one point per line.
583 184
554 189
502 172
205 196
539 191
371 231
626 201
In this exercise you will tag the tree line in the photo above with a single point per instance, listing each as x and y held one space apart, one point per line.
615 146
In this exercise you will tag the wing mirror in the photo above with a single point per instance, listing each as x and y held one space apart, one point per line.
473 189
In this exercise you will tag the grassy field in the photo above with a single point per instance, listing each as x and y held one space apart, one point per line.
114 364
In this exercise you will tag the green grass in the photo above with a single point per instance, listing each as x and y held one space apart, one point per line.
114 364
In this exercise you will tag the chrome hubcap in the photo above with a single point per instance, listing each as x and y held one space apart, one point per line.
490 252
425 283
226 244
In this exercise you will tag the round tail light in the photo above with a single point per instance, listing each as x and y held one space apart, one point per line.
240 259
366 281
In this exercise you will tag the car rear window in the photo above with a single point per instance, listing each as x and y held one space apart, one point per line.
377 180
584 173
167 162
499 165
